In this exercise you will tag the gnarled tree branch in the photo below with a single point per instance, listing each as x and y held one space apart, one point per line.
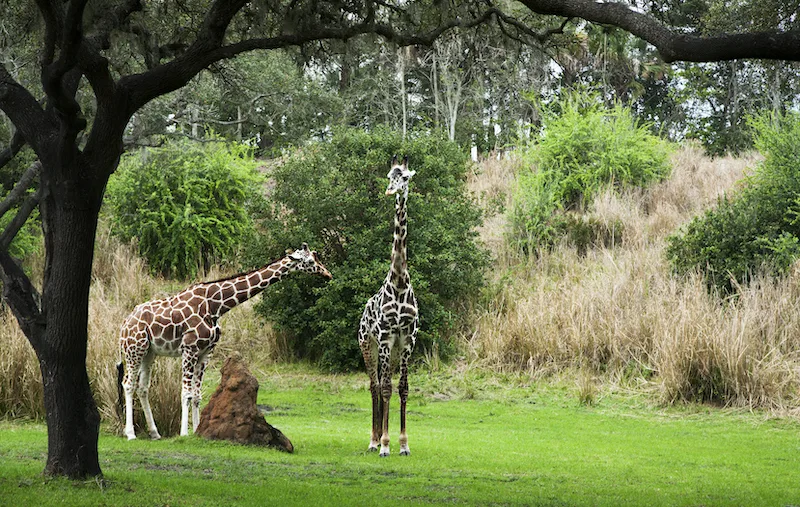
18 291
16 144
19 189
24 111
208 49
671 44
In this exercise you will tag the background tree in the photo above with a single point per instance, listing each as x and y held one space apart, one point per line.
189 205
333 193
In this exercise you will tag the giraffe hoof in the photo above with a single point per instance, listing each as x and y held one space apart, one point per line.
405 452
372 448
155 436
384 454
131 437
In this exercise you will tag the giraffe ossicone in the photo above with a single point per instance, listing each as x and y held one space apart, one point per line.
388 328
186 325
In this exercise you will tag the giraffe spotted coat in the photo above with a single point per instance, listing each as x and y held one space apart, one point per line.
187 325
388 328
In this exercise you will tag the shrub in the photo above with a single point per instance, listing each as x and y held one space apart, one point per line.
187 204
757 227
332 196
28 242
583 148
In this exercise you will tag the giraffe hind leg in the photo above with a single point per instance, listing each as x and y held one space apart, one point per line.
133 363
128 386
143 390
377 407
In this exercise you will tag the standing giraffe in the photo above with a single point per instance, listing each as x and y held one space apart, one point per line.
389 323
187 325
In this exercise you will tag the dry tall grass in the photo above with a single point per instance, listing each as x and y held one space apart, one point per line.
618 310
120 282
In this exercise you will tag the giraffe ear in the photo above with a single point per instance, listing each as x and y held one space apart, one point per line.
394 160
305 247
288 251
405 161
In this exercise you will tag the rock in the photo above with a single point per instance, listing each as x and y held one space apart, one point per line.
232 414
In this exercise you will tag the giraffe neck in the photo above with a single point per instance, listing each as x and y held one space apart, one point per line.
240 288
399 270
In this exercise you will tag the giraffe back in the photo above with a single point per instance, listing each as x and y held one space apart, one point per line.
164 325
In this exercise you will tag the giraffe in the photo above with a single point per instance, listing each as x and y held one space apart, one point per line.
388 327
187 325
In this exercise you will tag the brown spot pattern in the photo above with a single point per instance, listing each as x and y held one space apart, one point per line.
186 324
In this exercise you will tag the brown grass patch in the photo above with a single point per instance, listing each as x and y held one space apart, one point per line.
618 312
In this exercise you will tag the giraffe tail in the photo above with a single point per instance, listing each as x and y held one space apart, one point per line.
120 395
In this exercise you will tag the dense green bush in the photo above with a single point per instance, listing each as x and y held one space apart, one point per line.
332 196
187 204
757 227
583 147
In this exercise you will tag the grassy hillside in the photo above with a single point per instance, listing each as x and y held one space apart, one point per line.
474 441
616 315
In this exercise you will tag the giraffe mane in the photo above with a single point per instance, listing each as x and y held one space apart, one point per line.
237 275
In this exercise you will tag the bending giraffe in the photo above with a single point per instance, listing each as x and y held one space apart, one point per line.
388 327
186 325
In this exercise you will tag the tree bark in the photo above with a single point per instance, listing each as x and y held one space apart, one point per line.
73 420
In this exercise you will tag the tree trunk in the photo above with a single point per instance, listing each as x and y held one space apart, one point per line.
73 420
401 70
437 108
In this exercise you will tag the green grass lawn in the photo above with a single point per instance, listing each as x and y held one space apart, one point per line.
474 441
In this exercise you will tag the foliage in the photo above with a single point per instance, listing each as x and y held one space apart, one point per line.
755 228
266 98
186 204
28 241
332 196
583 148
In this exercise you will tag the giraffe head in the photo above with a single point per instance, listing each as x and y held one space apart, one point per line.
306 260
399 176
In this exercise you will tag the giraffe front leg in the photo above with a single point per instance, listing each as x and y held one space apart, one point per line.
375 392
384 354
402 391
368 350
